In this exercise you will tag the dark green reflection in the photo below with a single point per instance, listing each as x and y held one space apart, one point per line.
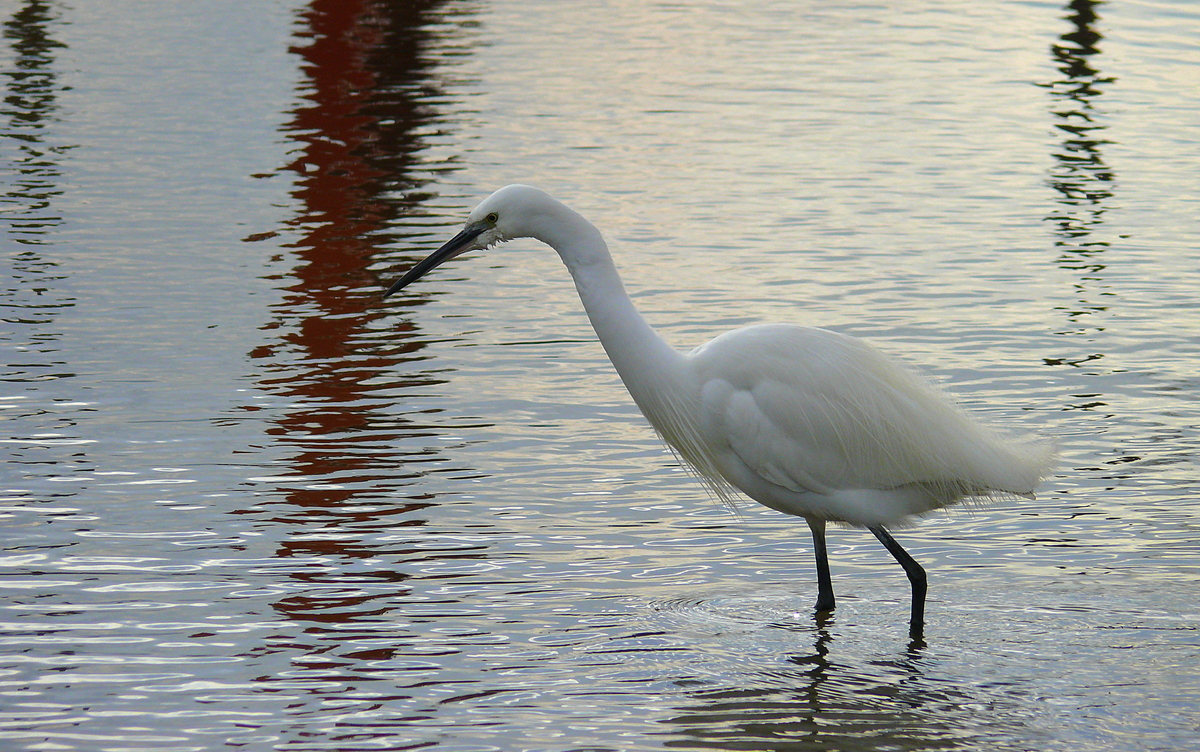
30 101
1080 175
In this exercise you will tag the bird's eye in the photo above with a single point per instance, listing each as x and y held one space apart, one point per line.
493 217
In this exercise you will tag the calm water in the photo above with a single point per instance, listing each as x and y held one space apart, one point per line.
248 505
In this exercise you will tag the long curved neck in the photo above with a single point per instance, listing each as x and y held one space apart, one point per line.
652 370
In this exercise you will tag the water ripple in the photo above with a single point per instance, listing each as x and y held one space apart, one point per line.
247 503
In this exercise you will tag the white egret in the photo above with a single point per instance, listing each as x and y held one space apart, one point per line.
804 420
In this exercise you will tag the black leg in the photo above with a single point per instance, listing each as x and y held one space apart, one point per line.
916 576
825 599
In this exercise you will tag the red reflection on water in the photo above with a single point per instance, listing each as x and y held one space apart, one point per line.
337 180
364 79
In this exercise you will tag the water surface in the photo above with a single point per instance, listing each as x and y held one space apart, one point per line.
247 504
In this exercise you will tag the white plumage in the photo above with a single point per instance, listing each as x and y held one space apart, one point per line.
878 443
804 420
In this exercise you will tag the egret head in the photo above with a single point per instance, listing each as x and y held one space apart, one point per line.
515 211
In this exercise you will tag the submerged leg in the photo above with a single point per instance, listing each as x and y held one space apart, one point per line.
824 583
916 576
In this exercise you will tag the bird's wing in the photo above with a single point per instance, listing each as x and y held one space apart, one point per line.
811 410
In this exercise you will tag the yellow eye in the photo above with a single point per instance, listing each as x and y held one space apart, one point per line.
493 217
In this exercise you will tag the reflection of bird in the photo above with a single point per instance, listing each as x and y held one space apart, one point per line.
806 421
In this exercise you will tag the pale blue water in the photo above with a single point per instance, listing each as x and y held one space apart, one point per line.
248 505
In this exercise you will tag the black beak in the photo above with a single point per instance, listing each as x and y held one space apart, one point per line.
460 243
